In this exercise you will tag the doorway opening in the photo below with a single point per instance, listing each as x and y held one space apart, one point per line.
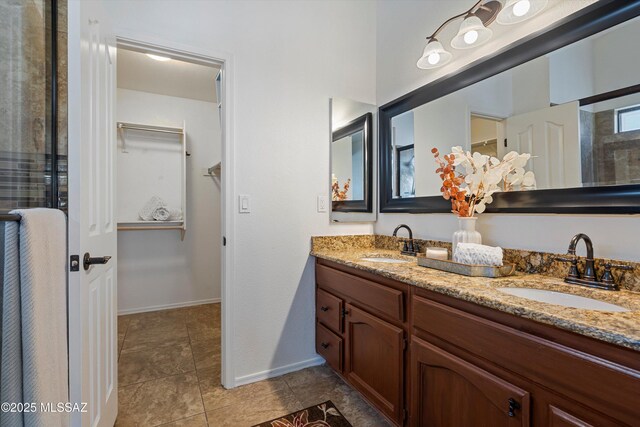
486 131
173 184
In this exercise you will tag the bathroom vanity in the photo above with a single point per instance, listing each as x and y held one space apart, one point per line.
432 348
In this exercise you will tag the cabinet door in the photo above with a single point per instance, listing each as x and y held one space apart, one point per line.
564 413
448 391
560 418
374 360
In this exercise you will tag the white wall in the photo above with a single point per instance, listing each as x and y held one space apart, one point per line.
289 57
156 268
571 72
402 27
530 86
611 66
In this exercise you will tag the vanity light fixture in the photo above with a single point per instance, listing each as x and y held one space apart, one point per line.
433 56
158 57
515 11
472 33
474 29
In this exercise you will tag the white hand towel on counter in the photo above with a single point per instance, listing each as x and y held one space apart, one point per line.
475 254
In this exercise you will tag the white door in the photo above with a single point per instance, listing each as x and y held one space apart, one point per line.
92 228
552 136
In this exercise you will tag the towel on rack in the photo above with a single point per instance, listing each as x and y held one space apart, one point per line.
34 365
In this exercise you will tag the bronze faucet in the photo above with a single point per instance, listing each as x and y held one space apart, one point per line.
409 248
589 277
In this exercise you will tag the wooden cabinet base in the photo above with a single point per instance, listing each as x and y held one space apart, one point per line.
466 365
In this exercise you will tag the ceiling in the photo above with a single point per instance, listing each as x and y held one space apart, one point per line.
136 71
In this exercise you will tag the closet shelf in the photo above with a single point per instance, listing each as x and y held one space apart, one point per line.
150 225
215 170
150 128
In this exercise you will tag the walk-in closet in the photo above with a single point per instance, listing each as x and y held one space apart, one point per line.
168 199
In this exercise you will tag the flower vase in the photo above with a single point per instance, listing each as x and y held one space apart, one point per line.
466 233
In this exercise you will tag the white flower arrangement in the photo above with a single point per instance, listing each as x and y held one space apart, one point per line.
470 192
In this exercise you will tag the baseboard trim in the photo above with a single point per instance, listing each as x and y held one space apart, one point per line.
168 306
276 372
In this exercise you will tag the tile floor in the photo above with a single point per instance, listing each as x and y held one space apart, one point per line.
169 375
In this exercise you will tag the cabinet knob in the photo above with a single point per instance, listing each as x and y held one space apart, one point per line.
324 308
513 405
325 345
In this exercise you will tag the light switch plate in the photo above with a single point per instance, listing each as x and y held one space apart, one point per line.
244 203
322 203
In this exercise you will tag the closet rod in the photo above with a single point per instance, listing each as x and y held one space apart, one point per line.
149 128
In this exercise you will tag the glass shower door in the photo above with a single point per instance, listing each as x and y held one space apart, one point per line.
28 105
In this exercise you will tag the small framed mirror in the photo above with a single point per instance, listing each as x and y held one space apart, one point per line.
352 152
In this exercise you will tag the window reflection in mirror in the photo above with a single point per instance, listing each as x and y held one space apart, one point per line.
610 141
352 160
576 110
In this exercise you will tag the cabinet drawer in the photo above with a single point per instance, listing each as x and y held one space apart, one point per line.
379 299
329 310
329 346
600 384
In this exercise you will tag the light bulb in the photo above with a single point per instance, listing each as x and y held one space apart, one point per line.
158 57
433 56
521 8
470 37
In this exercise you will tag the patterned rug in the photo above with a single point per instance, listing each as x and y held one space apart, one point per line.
323 415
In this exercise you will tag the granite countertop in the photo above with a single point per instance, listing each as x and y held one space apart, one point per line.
621 328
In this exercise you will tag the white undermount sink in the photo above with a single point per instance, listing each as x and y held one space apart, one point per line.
565 300
385 260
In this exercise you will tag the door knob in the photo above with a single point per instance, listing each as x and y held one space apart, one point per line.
88 260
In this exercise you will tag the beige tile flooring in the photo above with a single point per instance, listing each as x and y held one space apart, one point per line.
169 375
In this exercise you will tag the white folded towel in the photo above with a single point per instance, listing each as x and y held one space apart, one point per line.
475 254
175 214
161 214
155 202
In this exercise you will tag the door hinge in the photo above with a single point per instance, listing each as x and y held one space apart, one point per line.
405 414
224 241
405 343
74 263
505 142
345 312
